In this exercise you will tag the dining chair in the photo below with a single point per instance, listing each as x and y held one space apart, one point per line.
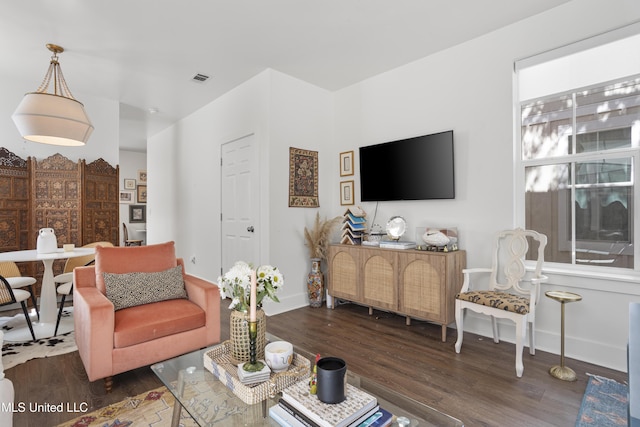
513 288
8 295
10 271
64 281
127 242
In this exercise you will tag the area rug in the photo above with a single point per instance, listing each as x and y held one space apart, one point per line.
152 408
14 353
604 403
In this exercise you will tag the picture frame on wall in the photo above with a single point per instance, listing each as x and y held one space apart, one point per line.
142 176
346 163
137 213
129 184
142 194
346 193
126 197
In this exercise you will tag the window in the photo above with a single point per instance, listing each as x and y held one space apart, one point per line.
579 155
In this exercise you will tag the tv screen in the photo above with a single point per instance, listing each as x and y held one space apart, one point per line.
419 168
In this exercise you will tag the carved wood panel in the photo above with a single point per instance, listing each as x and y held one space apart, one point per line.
15 231
101 209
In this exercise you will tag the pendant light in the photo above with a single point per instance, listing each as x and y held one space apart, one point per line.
53 118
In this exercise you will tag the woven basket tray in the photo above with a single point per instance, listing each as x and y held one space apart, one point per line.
219 362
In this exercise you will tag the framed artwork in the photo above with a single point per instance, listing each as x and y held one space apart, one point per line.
129 184
142 194
142 177
126 197
137 213
303 178
346 163
346 193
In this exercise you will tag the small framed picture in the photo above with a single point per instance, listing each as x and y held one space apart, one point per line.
346 163
142 194
346 193
137 213
126 197
142 177
129 184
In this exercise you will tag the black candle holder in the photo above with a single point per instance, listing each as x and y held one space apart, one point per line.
253 365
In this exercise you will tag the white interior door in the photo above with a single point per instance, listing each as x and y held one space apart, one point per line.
240 202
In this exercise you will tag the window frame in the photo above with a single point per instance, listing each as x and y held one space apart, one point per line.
521 164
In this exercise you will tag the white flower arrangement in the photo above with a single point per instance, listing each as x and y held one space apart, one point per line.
236 283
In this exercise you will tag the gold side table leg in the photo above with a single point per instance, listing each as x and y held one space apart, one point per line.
561 371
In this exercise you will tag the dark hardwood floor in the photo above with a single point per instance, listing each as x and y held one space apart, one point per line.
478 386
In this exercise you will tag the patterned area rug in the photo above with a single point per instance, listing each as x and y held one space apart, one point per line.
14 353
604 403
152 408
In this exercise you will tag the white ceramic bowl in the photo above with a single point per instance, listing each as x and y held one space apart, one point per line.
278 355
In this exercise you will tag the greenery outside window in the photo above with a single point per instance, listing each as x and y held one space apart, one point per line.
579 152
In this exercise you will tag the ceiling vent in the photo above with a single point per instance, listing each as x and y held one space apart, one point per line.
200 78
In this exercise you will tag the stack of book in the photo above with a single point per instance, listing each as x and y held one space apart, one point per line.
354 226
299 408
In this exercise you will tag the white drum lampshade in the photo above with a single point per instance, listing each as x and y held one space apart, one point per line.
53 118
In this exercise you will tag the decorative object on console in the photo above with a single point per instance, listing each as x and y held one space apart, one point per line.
53 118
47 242
437 239
236 283
396 227
354 226
303 178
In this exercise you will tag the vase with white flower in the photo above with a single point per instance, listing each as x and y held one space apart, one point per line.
236 284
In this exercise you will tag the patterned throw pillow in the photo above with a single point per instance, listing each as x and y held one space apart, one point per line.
132 289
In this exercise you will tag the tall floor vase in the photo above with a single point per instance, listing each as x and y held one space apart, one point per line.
239 335
315 284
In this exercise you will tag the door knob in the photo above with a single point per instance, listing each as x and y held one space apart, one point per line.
250 229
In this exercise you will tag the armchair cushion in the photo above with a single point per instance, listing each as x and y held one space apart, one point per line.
149 322
133 289
502 300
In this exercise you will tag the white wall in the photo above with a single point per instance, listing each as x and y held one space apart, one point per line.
130 163
468 88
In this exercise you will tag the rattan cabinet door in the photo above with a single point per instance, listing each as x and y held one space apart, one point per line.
344 272
380 278
422 286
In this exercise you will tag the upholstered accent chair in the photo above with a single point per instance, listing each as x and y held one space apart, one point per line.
136 306
513 289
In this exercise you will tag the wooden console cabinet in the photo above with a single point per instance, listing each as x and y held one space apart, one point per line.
417 284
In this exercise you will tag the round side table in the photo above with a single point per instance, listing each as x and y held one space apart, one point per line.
560 371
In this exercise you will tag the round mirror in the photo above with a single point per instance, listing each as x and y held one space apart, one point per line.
396 226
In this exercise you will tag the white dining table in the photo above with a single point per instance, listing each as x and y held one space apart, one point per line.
45 327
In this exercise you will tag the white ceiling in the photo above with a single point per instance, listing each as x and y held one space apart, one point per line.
144 53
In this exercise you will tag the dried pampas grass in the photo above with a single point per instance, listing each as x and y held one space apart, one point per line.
317 239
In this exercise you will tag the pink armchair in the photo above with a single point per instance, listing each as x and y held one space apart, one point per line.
112 340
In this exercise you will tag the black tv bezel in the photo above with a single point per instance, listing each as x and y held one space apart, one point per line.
417 173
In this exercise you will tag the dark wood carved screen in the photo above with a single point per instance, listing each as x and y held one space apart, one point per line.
79 201
56 201
101 209
15 198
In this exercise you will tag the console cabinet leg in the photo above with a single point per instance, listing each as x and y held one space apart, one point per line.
407 321
444 333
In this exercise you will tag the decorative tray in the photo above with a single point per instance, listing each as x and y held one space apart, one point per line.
219 362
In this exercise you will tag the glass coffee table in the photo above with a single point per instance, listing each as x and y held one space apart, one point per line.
210 402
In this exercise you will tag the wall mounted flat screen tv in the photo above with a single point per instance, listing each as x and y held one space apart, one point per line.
419 168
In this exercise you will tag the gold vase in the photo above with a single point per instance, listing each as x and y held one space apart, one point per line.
239 335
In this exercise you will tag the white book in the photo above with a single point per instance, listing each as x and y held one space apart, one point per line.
357 404
284 418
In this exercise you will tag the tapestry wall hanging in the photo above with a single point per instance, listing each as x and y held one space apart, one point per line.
303 178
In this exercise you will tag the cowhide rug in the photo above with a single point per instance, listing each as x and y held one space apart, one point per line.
14 353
